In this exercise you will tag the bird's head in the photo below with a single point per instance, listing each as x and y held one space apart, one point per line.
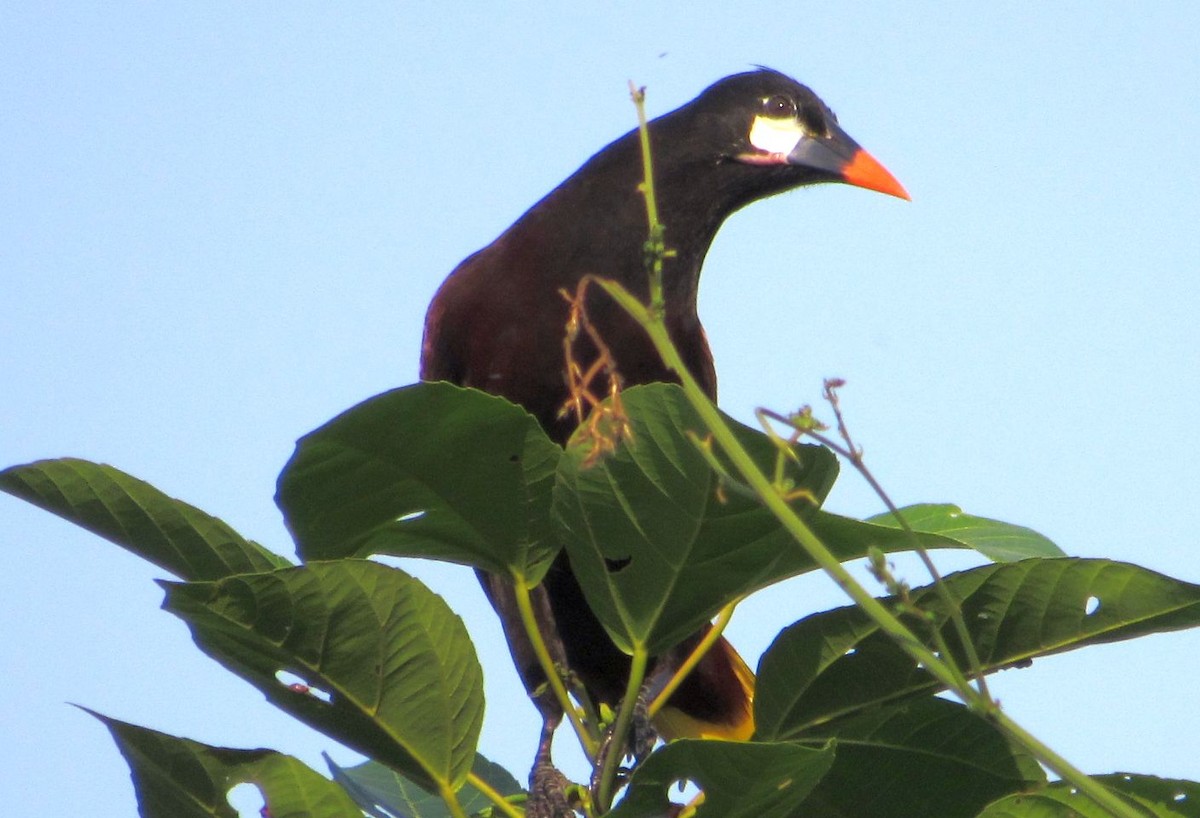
765 120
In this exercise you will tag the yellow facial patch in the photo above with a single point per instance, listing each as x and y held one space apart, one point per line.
780 136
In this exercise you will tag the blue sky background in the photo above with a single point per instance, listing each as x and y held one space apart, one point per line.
220 224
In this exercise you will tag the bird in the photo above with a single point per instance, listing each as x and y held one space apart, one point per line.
497 323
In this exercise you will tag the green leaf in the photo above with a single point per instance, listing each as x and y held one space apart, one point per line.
1178 796
133 514
1159 797
657 548
392 670
739 779
179 778
429 470
1000 542
380 791
929 757
838 662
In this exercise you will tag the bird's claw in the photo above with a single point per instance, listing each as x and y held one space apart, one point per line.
643 735
548 792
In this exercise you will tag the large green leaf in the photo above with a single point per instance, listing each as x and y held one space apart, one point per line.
838 662
657 547
1158 797
135 515
429 470
382 792
928 757
738 779
179 778
1177 796
998 541
934 526
391 669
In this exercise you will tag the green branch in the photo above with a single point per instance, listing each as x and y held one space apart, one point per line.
451 800
693 659
502 803
620 730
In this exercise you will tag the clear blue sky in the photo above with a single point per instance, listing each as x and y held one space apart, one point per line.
220 224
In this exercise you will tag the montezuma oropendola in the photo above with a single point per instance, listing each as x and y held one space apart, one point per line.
497 323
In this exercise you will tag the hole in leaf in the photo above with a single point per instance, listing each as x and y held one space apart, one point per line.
1179 796
514 458
850 652
412 515
1092 605
615 566
685 788
247 799
300 687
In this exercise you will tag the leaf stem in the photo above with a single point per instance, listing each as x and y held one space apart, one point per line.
854 455
655 248
451 800
693 659
525 607
953 606
502 803
620 729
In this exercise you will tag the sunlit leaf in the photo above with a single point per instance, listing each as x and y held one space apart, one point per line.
998 541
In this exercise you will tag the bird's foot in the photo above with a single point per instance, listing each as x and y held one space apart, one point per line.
548 792
640 741
643 736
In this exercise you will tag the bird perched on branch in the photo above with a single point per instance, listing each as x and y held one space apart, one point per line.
497 323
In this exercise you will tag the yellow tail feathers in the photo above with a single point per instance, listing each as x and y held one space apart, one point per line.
672 723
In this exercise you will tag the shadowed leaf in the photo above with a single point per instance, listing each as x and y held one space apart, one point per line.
428 470
138 517
387 667
1158 797
382 792
739 779
657 544
179 778
925 758
838 662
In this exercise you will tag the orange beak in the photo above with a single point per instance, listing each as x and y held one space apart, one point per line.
837 157
864 171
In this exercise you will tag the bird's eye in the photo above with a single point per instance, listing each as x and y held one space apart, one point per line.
779 107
